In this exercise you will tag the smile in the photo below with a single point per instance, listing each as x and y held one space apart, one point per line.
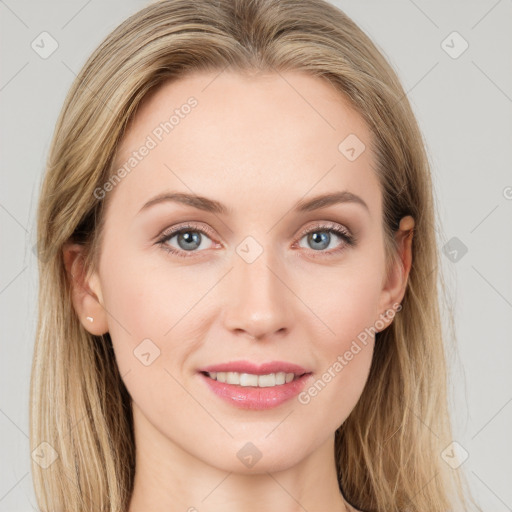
249 379
256 392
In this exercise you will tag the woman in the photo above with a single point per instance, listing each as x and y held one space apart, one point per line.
238 274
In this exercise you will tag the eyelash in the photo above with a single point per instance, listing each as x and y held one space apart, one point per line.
348 239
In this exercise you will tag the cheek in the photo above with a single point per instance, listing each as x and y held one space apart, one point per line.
132 297
346 301
347 307
345 359
146 311
152 307
140 291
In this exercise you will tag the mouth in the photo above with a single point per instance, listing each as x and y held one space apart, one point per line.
258 387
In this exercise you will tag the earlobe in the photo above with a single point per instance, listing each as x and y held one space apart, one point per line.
396 282
86 290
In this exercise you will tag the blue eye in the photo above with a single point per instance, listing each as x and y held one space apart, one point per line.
191 239
320 237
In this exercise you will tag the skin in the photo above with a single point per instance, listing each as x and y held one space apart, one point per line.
258 146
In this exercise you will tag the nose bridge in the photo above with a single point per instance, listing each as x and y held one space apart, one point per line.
259 300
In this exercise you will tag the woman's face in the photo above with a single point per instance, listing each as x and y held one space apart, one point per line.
260 274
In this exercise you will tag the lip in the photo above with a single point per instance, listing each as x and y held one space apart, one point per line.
256 369
251 397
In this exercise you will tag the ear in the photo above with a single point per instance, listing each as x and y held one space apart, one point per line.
395 283
86 290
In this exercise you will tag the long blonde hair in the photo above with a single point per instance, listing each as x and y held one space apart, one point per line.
388 451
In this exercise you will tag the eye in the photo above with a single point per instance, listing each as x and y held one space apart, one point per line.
189 238
323 236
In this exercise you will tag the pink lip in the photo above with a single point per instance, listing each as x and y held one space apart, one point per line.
256 398
256 369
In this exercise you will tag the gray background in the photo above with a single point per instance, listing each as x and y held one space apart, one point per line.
464 107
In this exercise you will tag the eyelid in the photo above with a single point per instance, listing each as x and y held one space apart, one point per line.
319 225
186 225
339 230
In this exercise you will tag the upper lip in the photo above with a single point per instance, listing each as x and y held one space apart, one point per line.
256 369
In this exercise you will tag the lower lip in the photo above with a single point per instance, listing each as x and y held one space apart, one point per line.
250 397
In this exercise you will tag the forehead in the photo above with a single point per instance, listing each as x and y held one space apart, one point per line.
262 136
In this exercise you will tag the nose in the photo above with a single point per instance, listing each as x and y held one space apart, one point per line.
259 303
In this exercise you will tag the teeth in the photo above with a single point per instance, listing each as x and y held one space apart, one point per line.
266 381
232 378
281 378
248 379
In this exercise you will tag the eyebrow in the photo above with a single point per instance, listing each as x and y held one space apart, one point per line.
210 205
